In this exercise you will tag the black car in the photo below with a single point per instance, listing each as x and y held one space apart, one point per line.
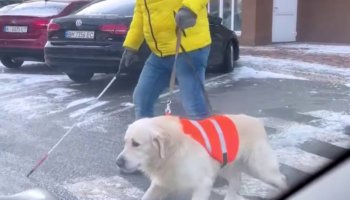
90 41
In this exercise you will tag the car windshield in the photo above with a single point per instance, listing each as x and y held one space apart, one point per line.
109 7
39 8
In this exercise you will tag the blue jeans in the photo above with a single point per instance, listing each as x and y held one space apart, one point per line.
155 77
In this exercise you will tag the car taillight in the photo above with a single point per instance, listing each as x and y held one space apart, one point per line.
53 27
117 29
41 23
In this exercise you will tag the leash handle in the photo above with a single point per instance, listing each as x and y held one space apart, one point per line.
190 63
173 72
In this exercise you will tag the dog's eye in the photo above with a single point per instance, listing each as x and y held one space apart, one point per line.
134 143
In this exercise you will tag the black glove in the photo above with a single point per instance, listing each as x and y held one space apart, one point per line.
185 18
129 57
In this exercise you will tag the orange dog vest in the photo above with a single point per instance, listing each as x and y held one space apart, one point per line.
217 134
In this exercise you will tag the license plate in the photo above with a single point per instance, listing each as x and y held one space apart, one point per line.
80 34
16 29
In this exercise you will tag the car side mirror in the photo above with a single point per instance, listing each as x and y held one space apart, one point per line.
215 20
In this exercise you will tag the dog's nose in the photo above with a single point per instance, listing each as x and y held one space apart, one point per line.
121 162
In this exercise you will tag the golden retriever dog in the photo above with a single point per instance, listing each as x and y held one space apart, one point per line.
175 162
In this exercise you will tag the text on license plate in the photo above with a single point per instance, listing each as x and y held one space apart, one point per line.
80 34
16 29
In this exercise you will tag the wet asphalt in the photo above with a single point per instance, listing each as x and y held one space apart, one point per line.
89 152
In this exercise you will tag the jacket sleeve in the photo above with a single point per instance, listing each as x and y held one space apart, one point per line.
195 5
135 37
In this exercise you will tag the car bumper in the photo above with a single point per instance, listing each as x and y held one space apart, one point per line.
23 53
74 58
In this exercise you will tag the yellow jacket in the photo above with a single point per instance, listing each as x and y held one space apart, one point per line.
154 21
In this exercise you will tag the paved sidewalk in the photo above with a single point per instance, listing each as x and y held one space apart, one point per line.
327 54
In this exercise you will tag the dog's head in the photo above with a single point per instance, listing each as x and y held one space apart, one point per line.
144 145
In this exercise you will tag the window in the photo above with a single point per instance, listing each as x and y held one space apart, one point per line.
238 15
214 7
227 14
229 10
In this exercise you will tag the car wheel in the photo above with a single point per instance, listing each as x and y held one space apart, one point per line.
229 62
11 62
81 77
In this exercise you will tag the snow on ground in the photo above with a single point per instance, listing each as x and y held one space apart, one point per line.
247 72
20 94
328 128
16 82
127 104
29 106
84 110
251 67
318 48
79 102
61 93
307 48
299 68
333 124
103 188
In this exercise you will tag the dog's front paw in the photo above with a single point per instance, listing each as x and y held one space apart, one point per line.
155 192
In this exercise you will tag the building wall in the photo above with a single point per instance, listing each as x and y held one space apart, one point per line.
256 22
324 21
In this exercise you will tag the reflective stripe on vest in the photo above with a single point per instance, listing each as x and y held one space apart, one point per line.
203 133
222 141
218 134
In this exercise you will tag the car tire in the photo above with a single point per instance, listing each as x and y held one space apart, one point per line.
229 62
81 77
11 62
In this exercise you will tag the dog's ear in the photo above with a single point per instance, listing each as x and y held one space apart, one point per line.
158 141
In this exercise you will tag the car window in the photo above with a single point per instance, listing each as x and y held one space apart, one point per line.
40 9
109 7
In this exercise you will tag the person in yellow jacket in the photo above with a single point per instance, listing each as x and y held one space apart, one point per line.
156 22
